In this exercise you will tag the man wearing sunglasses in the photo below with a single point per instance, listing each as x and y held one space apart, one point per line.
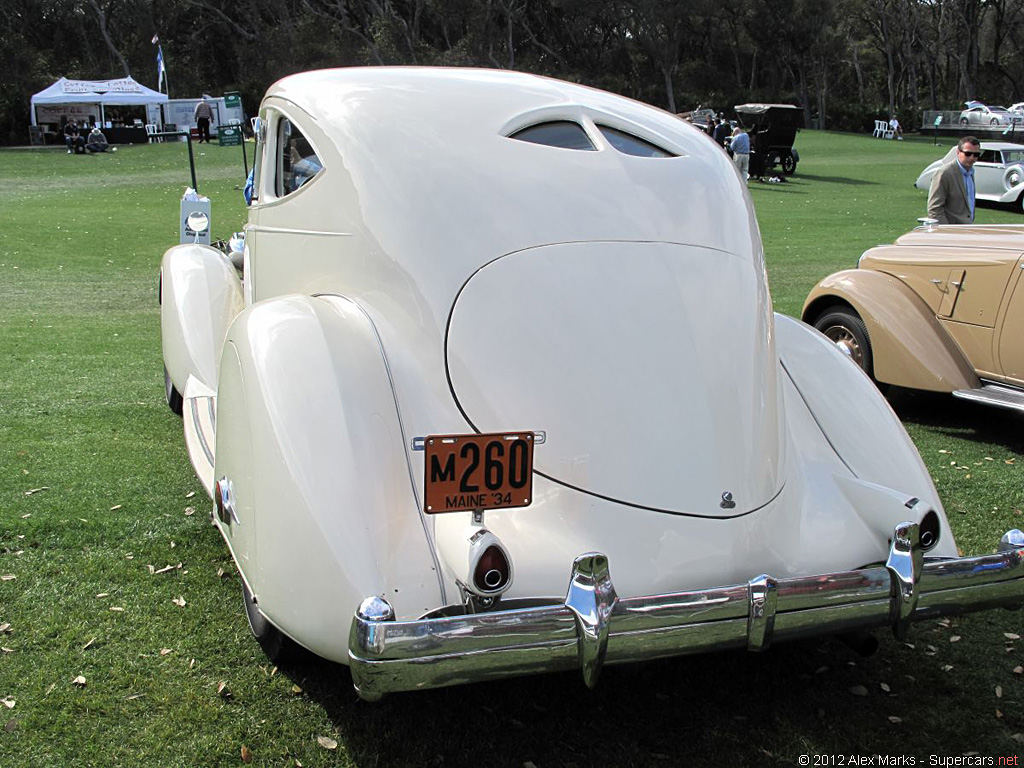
951 196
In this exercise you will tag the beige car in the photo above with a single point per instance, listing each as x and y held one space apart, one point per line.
941 309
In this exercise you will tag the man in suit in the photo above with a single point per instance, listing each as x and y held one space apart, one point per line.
951 196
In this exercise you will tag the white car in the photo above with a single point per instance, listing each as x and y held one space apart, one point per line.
988 116
499 390
998 173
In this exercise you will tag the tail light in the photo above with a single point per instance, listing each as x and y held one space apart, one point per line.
493 573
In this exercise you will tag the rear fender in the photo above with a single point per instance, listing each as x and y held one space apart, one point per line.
908 345
309 429
200 294
862 429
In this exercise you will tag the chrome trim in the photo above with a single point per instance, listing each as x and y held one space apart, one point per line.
592 626
764 599
591 598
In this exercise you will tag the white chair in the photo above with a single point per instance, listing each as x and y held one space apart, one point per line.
882 130
151 132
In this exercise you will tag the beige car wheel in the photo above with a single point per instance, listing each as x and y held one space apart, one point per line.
847 331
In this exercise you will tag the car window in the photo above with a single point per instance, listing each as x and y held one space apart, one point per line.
297 163
989 156
563 134
629 144
1013 156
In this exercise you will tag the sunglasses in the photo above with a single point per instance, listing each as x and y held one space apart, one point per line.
971 154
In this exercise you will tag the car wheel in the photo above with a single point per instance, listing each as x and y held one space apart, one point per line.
964 121
789 165
847 331
1013 176
994 121
173 396
275 644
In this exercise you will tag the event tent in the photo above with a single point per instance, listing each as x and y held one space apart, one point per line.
123 91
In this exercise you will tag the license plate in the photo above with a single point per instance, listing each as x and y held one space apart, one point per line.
470 472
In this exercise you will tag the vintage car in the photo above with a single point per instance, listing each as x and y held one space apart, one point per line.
499 390
998 173
988 116
939 310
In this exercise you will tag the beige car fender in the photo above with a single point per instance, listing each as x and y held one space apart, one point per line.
310 438
200 294
908 344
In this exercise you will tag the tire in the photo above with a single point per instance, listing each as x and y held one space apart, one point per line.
1013 176
964 121
994 121
173 396
277 646
788 164
847 331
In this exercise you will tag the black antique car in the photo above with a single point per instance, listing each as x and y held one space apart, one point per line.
772 129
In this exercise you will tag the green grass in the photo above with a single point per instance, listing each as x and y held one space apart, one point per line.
82 414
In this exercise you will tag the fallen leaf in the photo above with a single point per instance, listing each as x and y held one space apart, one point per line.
529 764
46 488
246 754
946 667
859 690
116 609
26 517
1011 635
821 670
134 696
191 663
222 690
50 689
9 703
6 650
10 726
151 569
1018 670
326 743
103 594
955 639
884 687
165 651
189 511
79 681
88 645
179 601
5 627
296 690
999 691
190 494
999 714
166 568
894 719
115 507
8 577
943 450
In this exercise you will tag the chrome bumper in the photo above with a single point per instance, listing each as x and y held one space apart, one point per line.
592 626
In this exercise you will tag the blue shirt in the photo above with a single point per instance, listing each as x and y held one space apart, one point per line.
969 183
740 144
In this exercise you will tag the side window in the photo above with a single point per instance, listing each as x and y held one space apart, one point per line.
628 144
990 156
563 134
297 163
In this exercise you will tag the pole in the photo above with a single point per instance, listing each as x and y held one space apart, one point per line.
191 159
245 156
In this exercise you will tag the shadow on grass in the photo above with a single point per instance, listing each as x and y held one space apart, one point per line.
760 710
844 180
963 419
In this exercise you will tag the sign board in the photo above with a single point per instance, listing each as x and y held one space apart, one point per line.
191 206
229 135
938 119
233 100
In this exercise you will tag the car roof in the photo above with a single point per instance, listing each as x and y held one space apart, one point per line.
1000 145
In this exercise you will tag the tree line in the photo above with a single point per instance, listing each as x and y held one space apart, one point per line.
846 62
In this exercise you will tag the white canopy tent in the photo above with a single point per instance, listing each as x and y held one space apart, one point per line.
79 93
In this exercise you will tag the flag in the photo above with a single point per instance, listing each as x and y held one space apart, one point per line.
155 40
161 70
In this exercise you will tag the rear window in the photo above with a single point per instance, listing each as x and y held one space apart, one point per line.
629 144
563 134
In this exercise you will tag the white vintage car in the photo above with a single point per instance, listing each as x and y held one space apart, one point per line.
498 390
998 173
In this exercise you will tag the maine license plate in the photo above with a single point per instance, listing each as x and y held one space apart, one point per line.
470 472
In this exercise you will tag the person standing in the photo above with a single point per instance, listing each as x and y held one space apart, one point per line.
203 115
951 195
721 132
741 151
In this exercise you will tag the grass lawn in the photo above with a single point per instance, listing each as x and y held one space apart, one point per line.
112 574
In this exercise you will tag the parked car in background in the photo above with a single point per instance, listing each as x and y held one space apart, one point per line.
983 115
1018 108
499 390
941 309
998 173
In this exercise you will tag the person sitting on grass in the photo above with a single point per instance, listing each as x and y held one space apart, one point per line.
73 138
96 141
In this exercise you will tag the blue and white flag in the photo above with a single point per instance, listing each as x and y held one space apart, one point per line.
161 70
